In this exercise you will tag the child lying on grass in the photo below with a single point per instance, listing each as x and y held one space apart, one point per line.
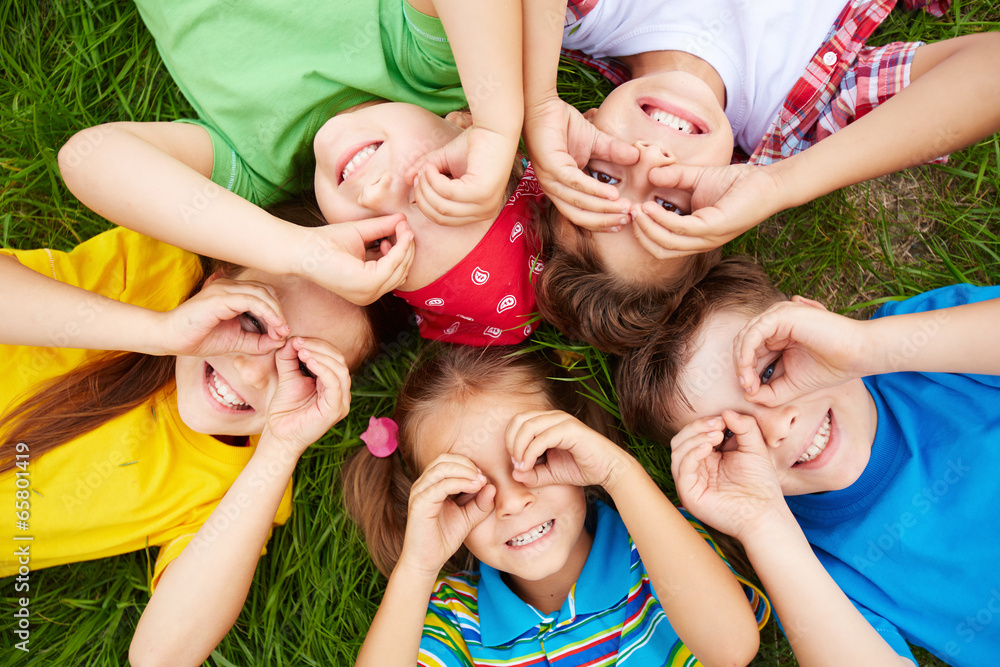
855 461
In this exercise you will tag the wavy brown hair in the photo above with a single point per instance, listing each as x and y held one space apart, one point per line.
582 299
112 383
377 490
648 379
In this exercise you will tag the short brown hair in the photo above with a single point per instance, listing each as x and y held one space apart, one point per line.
582 299
647 379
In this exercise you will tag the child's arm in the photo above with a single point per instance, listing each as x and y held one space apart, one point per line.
953 100
435 528
738 492
201 593
701 597
44 312
820 349
486 42
559 139
154 178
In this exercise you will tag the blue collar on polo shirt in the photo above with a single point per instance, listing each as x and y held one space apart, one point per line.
503 617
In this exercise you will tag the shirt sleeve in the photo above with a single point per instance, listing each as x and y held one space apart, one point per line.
442 643
122 265
232 172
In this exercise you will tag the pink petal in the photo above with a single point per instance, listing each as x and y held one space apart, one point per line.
381 436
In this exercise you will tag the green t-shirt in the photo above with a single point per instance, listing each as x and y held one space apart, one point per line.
264 75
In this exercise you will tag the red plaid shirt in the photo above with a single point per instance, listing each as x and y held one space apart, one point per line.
813 91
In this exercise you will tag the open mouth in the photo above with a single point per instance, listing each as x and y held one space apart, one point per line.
532 535
672 116
357 159
220 390
819 442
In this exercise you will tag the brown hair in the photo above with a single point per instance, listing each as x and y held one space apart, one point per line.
376 490
581 298
110 384
647 379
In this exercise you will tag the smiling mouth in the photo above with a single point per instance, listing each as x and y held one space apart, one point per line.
819 443
225 395
359 159
530 536
673 121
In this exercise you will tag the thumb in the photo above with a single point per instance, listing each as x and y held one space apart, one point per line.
676 176
480 507
748 436
286 360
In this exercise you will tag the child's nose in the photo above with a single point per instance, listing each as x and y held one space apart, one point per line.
255 370
513 498
776 423
651 155
387 194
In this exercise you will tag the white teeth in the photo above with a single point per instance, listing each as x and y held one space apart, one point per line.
670 120
819 442
224 394
358 158
531 535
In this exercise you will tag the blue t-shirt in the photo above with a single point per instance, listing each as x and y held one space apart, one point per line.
915 541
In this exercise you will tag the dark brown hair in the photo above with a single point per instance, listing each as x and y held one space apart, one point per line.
583 300
110 384
376 490
648 379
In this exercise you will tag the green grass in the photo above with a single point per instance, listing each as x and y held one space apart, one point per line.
67 65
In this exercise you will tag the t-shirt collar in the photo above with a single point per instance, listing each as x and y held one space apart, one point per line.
503 617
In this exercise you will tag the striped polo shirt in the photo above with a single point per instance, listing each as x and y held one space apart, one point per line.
611 615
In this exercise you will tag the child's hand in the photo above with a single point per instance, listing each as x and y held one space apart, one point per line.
336 257
447 501
725 202
560 143
304 408
552 447
729 484
465 180
218 320
816 349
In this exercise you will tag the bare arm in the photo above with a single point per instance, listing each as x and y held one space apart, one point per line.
154 178
201 593
953 100
44 312
693 585
738 492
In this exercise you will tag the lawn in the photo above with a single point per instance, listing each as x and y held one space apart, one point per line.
68 65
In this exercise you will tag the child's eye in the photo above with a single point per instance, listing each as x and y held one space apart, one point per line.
543 459
305 370
668 206
251 324
768 373
603 178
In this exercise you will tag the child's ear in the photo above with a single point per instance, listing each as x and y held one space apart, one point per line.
461 118
808 302
590 113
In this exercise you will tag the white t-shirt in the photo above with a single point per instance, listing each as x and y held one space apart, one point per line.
760 48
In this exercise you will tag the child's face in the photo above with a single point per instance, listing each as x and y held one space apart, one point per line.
674 118
229 394
839 422
363 155
532 535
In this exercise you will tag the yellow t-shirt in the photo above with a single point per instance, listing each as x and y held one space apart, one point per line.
143 479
